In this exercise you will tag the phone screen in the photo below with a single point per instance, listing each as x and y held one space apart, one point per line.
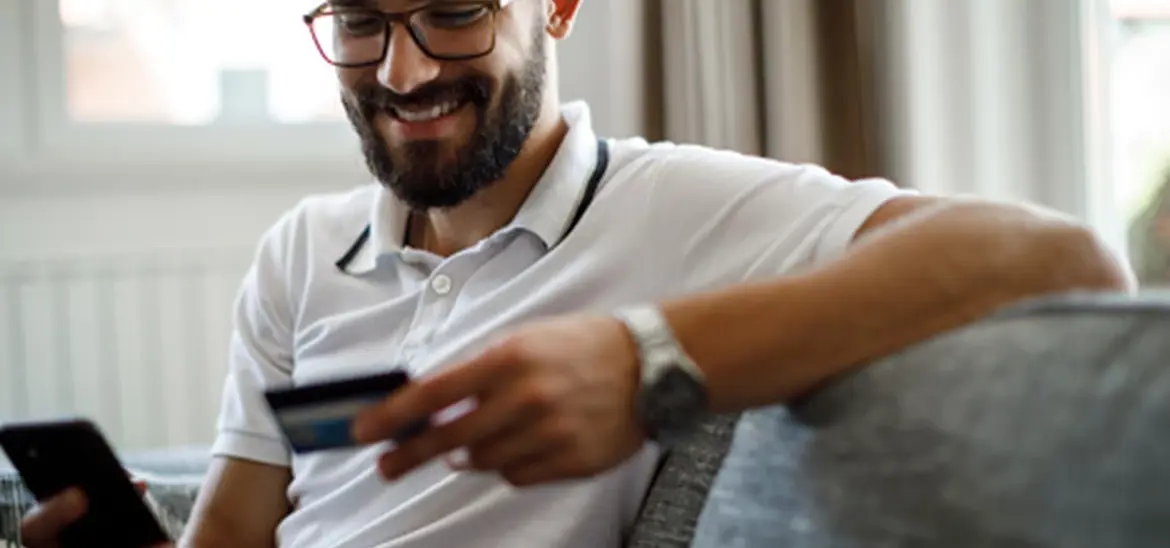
53 456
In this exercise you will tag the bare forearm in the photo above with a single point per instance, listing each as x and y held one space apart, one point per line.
240 504
766 343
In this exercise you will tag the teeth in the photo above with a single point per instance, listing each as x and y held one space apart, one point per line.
426 114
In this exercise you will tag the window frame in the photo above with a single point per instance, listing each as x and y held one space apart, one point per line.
52 142
1106 22
1101 208
13 122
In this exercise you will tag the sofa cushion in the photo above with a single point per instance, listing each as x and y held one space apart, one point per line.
1044 426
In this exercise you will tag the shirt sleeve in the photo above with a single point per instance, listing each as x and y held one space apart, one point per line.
734 218
260 356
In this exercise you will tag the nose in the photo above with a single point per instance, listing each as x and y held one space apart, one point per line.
406 66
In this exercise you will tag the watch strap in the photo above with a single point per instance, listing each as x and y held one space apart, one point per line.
655 340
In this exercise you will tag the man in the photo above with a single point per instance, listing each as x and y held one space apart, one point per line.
563 306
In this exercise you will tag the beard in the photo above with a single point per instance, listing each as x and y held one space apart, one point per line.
417 172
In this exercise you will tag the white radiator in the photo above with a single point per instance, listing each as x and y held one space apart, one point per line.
136 343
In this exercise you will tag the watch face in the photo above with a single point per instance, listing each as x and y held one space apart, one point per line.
674 399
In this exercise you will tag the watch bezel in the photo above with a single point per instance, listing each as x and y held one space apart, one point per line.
664 406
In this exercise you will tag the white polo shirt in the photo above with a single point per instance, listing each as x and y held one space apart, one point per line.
668 220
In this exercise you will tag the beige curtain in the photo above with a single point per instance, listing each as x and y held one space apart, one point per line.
985 97
790 79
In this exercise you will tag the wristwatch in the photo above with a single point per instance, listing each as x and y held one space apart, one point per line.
673 390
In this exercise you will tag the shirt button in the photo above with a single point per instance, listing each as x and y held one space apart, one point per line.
441 284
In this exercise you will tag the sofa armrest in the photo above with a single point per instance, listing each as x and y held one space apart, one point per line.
671 509
1044 426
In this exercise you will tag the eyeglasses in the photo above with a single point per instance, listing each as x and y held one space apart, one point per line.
352 37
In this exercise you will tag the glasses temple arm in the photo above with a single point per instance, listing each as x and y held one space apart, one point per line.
317 11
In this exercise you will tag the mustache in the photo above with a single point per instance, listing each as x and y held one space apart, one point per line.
375 98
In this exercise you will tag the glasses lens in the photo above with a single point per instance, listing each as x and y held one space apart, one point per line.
350 36
455 29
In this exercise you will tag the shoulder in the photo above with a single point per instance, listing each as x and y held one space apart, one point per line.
322 217
705 177
671 172
681 163
727 213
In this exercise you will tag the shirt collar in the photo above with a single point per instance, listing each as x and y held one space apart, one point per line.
387 226
550 205
546 212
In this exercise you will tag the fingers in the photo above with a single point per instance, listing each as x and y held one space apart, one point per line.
554 450
488 420
544 467
518 444
429 396
44 524
139 485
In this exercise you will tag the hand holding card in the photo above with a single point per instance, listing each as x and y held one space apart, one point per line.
319 417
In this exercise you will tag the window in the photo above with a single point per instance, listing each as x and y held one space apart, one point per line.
192 62
205 80
1140 123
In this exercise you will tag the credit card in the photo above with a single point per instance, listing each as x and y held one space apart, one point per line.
319 417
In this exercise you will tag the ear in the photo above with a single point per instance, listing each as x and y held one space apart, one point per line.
561 15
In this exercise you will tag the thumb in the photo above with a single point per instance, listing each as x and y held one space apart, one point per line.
44 524
139 485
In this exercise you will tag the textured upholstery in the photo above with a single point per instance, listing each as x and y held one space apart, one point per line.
1044 427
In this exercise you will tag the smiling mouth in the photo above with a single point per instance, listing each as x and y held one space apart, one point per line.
417 114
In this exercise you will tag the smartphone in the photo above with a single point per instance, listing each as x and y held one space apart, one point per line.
319 416
52 456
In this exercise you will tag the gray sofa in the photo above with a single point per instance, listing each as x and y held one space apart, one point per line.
1042 426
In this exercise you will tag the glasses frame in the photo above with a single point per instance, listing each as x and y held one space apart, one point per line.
402 18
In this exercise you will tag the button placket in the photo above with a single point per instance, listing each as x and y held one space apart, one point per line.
434 304
437 299
441 284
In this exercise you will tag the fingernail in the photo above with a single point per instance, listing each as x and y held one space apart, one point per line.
458 460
